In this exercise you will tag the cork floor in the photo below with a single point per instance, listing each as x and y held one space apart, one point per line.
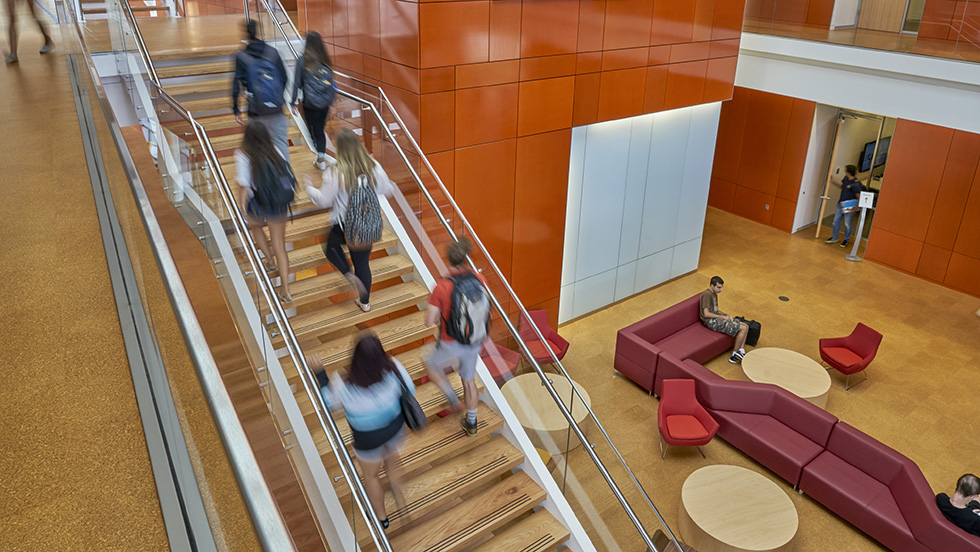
920 398
74 469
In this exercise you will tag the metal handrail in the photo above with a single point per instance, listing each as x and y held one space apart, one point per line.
384 98
295 351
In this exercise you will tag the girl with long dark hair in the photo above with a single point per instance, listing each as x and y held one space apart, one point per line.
258 154
353 161
314 76
369 395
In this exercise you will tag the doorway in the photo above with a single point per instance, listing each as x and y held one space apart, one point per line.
841 137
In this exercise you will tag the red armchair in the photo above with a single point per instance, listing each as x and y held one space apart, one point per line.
681 421
852 354
539 350
500 361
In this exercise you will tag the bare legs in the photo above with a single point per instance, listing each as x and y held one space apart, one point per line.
743 332
12 29
372 483
277 233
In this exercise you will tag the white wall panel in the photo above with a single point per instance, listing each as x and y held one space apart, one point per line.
637 194
685 258
573 205
603 192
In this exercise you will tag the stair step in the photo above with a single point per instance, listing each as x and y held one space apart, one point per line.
345 314
211 68
444 438
306 227
336 354
322 286
539 532
198 87
413 361
207 104
468 523
434 489
430 397
312 256
234 140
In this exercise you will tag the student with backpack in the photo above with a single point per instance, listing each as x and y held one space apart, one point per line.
314 76
370 397
259 71
265 191
351 187
460 306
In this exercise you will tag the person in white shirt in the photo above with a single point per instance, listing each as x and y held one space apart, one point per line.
353 161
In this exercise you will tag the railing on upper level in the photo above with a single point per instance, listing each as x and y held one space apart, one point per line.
914 30
441 221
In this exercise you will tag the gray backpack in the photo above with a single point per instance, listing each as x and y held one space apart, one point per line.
362 220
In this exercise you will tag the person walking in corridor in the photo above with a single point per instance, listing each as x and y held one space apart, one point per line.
259 71
11 56
314 76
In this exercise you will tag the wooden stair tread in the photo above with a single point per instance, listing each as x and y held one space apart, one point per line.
312 255
413 361
435 488
234 140
332 283
89 8
307 226
539 532
442 439
464 525
199 87
207 104
344 314
188 70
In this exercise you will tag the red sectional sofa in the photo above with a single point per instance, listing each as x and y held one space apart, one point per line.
872 486
677 330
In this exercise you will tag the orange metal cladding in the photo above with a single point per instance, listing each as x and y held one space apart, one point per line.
927 220
492 87
762 143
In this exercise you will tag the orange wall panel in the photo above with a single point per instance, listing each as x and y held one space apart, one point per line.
766 126
753 204
673 22
783 212
487 74
727 22
655 89
963 273
548 27
954 189
505 29
484 172
685 84
438 121
545 105
454 33
720 79
893 249
933 262
621 93
627 24
731 135
539 214
365 26
721 195
794 154
585 108
486 114
968 236
916 159
591 25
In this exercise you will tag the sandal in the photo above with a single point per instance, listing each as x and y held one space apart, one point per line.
285 298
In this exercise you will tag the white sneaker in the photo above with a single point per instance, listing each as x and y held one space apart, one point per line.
363 306
320 164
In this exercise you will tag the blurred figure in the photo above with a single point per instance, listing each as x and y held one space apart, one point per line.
314 76
260 72
265 190
370 397
11 56
351 188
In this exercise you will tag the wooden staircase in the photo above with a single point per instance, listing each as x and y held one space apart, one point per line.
460 493
101 8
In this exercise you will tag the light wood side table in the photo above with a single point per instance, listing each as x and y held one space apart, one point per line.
794 372
539 415
731 509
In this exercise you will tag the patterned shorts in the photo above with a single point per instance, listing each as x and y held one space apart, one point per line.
724 326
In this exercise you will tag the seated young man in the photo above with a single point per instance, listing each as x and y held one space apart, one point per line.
962 508
717 321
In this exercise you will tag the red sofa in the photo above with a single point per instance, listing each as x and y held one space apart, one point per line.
775 427
882 493
677 330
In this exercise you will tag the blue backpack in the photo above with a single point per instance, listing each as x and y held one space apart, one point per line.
263 82
318 87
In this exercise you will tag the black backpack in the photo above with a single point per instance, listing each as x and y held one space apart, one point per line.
318 87
469 316
264 83
274 186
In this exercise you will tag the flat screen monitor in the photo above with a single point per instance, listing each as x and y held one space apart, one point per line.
869 151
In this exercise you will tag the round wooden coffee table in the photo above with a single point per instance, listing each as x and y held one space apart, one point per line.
732 509
539 415
796 373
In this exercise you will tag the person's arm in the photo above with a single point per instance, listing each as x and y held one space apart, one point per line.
403 374
719 314
243 175
382 184
327 193
432 316
283 72
236 86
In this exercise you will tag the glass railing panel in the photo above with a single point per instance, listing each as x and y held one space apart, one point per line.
931 31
